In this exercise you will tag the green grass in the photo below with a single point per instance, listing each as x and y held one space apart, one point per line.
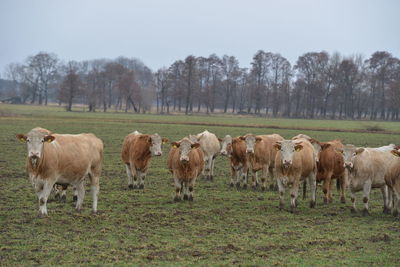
222 227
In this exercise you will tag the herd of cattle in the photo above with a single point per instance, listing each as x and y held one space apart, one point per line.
59 160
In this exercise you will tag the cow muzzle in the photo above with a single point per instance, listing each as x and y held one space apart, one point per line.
249 151
348 165
34 158
287 163
157 154
184 159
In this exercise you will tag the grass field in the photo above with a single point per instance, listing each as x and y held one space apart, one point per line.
222 227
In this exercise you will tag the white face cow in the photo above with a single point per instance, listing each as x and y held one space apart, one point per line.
34 141
251 140
287 149
349 154
185 146
155 144
226 143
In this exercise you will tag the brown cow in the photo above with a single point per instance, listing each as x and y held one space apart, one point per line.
261 156
235 149
136 153
294 162
62 159
330 165
186 163
392 179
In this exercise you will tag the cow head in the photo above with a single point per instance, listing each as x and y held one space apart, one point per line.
318 147
35 140
226 144
251 141
185 146
350 152
288 148
155 144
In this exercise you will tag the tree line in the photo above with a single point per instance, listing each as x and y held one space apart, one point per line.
319 85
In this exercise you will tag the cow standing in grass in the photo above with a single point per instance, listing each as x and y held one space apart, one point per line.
63 159
330 166
186 163
392 179
136 153
294 162
209 143
261 156
235 149
367 168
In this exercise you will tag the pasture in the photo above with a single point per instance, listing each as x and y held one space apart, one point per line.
223 226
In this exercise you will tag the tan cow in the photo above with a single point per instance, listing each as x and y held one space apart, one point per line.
136 153
235 149
366 168
392 179
209 143
295 162
186 163
261 156
330 166
62 159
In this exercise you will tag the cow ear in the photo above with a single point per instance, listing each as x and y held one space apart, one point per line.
298 147
242 138
277 146
313 141
258 139
49 138
21 137
219 139
339 150
359 150
175 144
325 146
395 152
164 140
195 145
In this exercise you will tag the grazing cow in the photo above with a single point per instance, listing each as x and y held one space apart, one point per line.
186 163
136 153
235 149
295 162
366 168
209 143
261 156
330 166
392 179
63 159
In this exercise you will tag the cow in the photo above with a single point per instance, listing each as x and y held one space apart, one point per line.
392 180
235 149
330 166
261 156
386 148
294 162
186 163
366 168
209 143
63 159
136 153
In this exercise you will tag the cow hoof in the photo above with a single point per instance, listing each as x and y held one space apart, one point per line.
141 186
75 198
395 213
130 186
211 178
254 188
63 199
365 212
237 185
342 200
263 188
185 197
190 198
281 206
312 204
292 209
353 210
272 187
57 197
325 200
231 184
245 186
386 210
177 199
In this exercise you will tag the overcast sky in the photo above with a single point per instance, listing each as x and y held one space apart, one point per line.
161 31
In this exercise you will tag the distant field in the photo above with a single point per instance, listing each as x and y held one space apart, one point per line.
223 226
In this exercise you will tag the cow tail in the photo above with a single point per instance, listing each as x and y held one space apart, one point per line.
304 188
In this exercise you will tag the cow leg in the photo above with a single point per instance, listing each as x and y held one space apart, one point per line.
281 189
366 191
255 179
327 187
272 185
396 199
63 194
313 189
94 190
75 197
191 187
130 176
141 177
293 195
386 194
353 201
342 182
43 196
233 175
178 188
80 188
212 168
185 191
264 175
